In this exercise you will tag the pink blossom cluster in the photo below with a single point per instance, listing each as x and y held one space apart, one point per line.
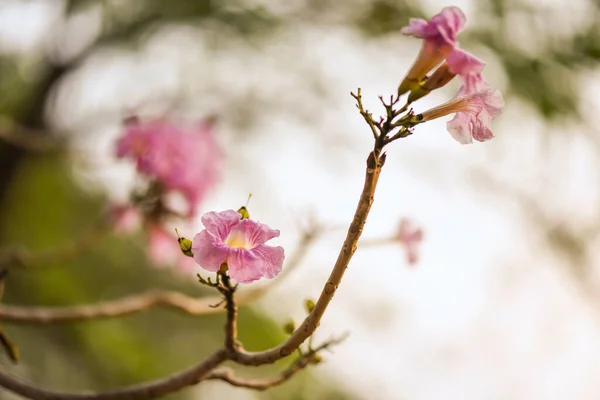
173 158
475 104
181 160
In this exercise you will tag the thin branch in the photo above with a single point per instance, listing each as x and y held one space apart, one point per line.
311 357
368 117
110 309
378 242
231 343
28 139
309 325
148 390
10 258
155 298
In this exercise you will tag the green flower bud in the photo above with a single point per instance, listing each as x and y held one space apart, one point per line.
289 327
309 305
244 212
185 245
316 359
244 209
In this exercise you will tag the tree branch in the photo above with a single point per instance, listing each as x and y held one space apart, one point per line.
28 139
311 357
110 309
231 343
155 298
311 322
10 258
153 389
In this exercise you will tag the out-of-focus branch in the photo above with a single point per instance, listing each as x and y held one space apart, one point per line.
110 309
148 390
377 242
161 298
26 138
20 258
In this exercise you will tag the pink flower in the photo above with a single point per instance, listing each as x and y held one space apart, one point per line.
241 243
474 112
410 236
183 160
439 36
458 62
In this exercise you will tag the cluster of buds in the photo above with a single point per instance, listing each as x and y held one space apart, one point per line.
170 159
475 104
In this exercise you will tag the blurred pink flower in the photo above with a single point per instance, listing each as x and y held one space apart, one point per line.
410 237
124 218
163 248
474 113
239 242
439 36
181 159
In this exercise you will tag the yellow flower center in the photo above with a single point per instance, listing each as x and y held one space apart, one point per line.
236 239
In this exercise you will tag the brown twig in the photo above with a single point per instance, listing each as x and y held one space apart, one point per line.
10 258
228 290
148 390
143 301
311 357
109 309
367 116
26 138
311 322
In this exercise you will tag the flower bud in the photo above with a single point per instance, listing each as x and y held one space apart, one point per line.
185 245
289 327
309 305
244 212
244 209
316 359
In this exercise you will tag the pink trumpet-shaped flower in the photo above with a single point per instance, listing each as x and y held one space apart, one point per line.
410 237
241 243
439 39
474 112
182 160
458 62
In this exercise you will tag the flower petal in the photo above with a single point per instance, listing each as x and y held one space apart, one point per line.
417 27
439 40
245 266
256 233
209 252
460 128
272 257
220 223
464 63
442 28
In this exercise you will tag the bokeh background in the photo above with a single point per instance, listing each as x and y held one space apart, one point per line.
504 302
